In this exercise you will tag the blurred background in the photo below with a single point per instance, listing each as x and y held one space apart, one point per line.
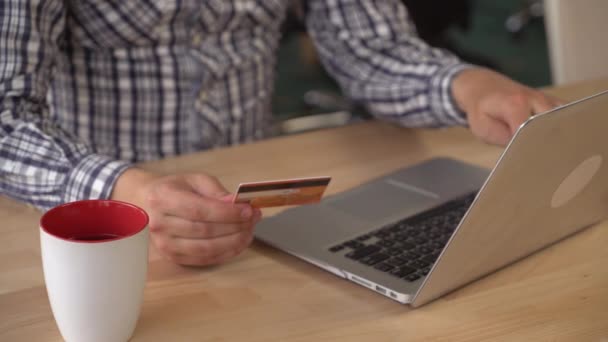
536 42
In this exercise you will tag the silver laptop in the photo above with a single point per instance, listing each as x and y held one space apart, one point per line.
418 233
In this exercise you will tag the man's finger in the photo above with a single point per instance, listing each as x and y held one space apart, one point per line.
179 227
188 260
498 133
208 248
556 100
193 207
491 130
542 103
513 112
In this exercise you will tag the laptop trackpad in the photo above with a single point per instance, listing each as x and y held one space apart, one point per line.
381 200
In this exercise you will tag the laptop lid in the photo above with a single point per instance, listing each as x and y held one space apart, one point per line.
550 182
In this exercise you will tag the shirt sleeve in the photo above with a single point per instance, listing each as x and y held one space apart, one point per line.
39 162
373 51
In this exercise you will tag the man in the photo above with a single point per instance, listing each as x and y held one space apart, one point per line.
88 87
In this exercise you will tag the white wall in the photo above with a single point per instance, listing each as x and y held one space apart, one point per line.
578 39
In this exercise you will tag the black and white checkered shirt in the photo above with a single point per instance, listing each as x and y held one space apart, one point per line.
87 87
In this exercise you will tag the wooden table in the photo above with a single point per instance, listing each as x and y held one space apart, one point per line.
560 293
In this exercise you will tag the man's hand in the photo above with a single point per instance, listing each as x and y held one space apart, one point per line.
192 219
496 105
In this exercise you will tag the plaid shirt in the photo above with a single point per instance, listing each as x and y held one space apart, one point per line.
88 87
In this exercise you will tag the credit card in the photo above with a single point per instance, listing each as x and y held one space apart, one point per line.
277 193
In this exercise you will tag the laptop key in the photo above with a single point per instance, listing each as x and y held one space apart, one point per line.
397 261
425 270
374 258
412 277
420 240
354 244
436 245
403 226
401 237
383 267
364 237
447 230
423 250
394 251
404 246
427 227
386 243
410 256
382 234
413 232
336 248
431 257
434 235
418 264
402 271
362 252
394 229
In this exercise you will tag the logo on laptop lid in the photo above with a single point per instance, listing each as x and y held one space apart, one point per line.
576 181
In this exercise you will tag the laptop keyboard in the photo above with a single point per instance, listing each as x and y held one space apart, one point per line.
407 249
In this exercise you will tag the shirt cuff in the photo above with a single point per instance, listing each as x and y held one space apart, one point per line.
442 101
93 178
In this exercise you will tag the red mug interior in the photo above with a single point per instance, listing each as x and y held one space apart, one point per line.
94 221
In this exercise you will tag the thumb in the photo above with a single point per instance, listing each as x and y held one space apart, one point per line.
542 103
499 133
492 130
512 114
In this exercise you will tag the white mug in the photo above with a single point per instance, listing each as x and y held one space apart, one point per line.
95 258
